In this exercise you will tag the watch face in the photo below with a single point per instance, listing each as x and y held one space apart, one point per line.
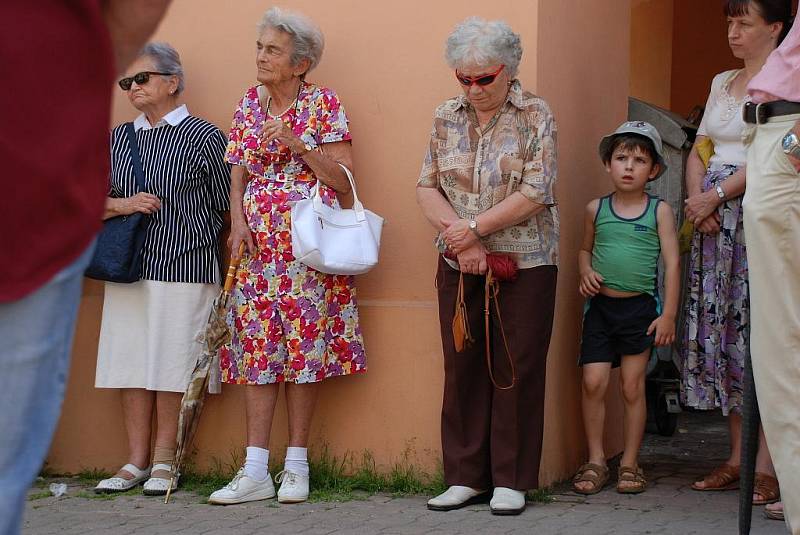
790 141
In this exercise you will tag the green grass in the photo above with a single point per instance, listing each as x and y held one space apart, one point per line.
91 495
91 476
39 495
333 479
542 495
204 483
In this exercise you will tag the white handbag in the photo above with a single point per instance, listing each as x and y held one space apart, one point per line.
334 240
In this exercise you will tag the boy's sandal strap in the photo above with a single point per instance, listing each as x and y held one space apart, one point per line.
584 475
629 474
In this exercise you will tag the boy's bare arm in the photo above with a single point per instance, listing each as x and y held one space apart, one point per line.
665 324
590 280
130 24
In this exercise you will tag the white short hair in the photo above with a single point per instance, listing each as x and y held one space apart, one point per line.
307 39
484 42
166 59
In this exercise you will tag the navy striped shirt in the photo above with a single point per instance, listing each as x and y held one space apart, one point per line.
183 166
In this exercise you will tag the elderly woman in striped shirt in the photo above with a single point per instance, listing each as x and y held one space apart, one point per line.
148 333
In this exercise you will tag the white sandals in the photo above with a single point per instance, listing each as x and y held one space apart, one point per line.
120 484
158 486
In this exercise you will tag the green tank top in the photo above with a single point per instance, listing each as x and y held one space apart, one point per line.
626 250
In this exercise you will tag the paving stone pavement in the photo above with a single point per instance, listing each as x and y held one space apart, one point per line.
668 507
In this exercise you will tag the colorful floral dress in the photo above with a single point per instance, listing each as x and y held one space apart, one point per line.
717 303
289 322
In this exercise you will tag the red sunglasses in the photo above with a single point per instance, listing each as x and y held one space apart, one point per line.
484 79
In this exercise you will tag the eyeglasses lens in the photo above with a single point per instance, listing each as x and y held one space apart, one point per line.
483 80
140 78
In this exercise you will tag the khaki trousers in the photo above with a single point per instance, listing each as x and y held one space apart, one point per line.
772 228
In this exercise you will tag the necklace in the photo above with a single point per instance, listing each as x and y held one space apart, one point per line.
291 105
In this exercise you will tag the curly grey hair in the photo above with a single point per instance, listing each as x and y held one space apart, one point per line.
307 40
484 42
166 59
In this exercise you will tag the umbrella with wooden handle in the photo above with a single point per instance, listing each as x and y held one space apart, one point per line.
215 336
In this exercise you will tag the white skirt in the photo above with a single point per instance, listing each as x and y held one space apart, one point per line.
148 335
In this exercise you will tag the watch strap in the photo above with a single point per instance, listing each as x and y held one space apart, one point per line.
473 226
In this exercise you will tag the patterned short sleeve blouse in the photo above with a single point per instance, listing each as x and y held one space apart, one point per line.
318 117
477 169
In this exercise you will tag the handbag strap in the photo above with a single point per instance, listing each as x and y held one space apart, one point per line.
462 308
491 291
136 159
358 208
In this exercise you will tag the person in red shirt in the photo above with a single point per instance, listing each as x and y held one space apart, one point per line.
55 106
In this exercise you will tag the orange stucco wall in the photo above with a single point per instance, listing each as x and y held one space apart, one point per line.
700 50
387 65
587 87
651 51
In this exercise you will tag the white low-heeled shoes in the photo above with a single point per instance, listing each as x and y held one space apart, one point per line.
120 484
158 486
456 497
507 501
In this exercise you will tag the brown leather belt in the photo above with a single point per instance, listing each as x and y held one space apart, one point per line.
761 113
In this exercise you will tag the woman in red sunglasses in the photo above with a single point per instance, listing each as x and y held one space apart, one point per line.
486 186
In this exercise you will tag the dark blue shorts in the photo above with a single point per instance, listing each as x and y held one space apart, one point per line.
617 326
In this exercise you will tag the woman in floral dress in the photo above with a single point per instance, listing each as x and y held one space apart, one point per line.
290 323
718 306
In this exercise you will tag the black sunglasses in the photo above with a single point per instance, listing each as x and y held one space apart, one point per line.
140 78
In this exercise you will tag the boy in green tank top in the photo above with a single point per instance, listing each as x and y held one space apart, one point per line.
624 234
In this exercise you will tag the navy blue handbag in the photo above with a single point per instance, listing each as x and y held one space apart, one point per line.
118 255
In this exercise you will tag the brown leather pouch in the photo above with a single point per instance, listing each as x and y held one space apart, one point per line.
461 333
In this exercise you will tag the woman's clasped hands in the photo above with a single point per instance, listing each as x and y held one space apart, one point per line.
701 210
280 132
469 250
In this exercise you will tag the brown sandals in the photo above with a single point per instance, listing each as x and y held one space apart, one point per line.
767 487
724 477
598 479
629 474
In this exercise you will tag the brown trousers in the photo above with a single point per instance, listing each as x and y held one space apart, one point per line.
492 437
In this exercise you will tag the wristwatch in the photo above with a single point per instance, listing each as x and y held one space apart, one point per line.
473 226
306 149
791 144
720 192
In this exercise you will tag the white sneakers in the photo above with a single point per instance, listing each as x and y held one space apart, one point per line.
243 489
507 501
120 484
456 497
294 487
